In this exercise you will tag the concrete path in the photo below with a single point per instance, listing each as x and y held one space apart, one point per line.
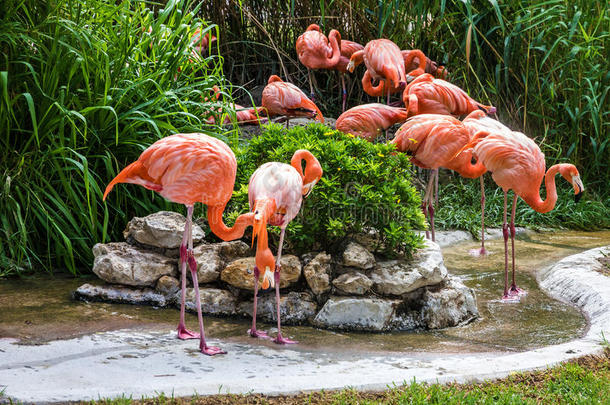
137 364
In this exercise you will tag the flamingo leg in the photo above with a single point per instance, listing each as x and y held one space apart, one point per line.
279 339
311 93
343 91
482 251
183 332
506 297
514 290
205 349
252 331
434 180
427 203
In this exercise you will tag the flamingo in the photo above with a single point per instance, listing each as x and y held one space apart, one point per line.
282 98
383 61
517 164
479 121
434 141
427 95
190 168
243 115
275 193
201 43
368 120
416 64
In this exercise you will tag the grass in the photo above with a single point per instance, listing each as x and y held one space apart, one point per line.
582 381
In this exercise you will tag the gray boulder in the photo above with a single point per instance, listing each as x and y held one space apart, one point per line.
121 263
351 313
209 263
214 301
352 283
317 274
167 286
356 255
163 229
296 308
452 304
120 295
239 273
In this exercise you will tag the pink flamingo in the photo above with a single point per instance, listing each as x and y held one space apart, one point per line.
368 120
190 168
275 192
282 98
517 164
434 141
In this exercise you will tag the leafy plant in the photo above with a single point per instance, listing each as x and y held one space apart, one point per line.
365 188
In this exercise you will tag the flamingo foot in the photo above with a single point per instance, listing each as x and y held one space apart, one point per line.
516 291
211 350
510 299
280 340
481 252
184 333
258 334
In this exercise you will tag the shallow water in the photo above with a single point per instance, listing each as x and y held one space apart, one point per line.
40 309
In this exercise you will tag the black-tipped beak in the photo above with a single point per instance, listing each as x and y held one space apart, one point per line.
578 195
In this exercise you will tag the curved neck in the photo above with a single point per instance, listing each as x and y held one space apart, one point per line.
335 43
221 230
535 201
463 165
310 164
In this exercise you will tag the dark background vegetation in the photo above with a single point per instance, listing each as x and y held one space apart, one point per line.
84 88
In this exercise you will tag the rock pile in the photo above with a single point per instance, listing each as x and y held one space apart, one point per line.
349 291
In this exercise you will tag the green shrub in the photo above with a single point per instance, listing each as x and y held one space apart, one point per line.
365 187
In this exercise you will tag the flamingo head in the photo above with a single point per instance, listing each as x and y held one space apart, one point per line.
313 169
570 173
266 264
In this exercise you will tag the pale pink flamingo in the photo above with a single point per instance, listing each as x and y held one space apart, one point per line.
369 120
282 98
275 192
190 168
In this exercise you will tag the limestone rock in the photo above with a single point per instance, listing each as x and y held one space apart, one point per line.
295 308
119 294
350 313
167 286
121 263
209 262
234 249
451 305
317 273
356 255
239 273
214 301
353 283
162 229
398 277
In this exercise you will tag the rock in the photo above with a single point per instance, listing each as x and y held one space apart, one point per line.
353 283
451 305
119 294
121 263
317 273
162 229
356 255
233 249
209 262
398 277
167 286
214 301
238 273
296 308
350 313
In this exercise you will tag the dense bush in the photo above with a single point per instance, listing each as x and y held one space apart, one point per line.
365 187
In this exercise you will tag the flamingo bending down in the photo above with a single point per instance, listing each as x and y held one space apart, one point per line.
427 95
275 193
190 168
368 120
282 98
479 121
383 61
517 164
201 43
434 141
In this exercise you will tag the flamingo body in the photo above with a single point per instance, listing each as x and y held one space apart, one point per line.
369 120
282 98
316 51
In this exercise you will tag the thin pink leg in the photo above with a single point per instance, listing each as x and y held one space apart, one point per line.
431 203
205 349
343 91
183 332
276 276
311 93
482 251
253 331
514 290
506 297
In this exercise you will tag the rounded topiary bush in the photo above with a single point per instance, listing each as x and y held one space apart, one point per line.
366 188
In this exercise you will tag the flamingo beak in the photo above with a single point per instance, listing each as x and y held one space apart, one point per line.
578 187
308 187
350 66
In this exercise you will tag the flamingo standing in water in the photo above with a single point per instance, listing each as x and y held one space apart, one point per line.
383 61
275 193
369 120
282 98
517 164
190 168
434 141
427 95
479 121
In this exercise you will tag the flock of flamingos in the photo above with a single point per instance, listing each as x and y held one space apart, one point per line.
190 168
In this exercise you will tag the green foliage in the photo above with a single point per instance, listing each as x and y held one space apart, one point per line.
365 187
84 88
